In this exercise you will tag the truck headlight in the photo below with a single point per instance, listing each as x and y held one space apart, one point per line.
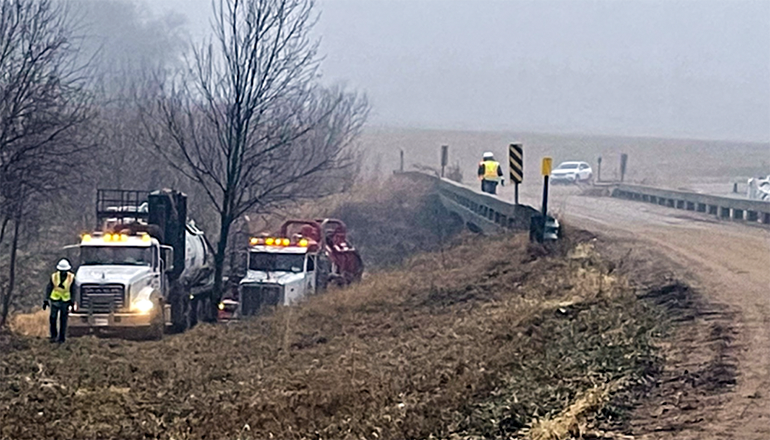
143 305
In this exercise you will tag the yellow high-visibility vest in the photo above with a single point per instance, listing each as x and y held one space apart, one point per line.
490 170
61 293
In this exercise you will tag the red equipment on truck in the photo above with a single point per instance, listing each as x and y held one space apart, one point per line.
301 260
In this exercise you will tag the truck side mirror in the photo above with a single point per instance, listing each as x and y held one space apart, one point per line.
168 257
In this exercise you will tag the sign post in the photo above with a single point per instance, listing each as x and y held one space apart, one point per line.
444 158
516 168
540 228
546 171
623 163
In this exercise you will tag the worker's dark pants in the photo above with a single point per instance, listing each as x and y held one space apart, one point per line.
489 186
60 312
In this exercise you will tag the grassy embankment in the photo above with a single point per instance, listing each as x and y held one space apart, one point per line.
486 337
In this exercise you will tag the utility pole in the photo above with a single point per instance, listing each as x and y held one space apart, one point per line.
444 158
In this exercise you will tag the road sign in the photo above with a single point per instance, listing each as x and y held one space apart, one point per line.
516 163
547 164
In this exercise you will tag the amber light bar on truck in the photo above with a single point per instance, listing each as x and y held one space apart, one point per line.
113 237
275 241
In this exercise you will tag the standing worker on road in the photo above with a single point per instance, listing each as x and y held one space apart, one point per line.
490 173
58 296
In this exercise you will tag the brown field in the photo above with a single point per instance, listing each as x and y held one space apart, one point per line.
476 338
483 337
708 166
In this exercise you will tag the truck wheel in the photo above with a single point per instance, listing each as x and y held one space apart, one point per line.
158 327
193 310
213 308
180 308
156 332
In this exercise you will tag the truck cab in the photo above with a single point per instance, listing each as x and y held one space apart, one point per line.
280 271
300 260
147 266
121 284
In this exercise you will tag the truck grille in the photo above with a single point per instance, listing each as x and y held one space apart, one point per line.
254 297
102 298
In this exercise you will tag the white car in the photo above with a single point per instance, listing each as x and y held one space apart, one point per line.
572 172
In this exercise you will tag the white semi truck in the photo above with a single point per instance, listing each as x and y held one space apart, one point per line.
145 268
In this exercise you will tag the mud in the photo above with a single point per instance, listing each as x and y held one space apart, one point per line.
717 357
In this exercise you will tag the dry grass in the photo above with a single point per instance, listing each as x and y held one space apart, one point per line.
475 341
33 324
572 421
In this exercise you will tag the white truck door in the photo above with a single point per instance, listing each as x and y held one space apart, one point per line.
310 274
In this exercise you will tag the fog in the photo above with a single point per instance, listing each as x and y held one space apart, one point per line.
643 68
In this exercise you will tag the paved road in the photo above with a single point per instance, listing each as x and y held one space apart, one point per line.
729 263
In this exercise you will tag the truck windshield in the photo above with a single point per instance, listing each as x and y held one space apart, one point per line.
268 262
116 255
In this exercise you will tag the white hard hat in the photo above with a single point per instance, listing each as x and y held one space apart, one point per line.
63 265
488 155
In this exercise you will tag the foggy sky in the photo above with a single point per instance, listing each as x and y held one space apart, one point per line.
697 69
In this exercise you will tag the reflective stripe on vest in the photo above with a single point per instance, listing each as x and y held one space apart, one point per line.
490 170
61 293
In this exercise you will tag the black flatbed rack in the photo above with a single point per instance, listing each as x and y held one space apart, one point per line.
121 206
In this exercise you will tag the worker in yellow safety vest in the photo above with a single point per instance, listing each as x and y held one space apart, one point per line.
58 297
490 173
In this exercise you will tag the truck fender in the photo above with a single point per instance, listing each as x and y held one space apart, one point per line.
148 292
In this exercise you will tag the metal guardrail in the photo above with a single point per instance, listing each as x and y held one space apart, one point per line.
723 207
487 207
481 212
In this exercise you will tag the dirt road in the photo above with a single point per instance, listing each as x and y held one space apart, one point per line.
729 264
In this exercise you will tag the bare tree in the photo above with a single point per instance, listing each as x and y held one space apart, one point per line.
43 106
248 121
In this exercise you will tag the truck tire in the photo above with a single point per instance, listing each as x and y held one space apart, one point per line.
180 310
200 308
158 326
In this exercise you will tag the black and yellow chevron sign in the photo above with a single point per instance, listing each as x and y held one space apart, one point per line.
516 162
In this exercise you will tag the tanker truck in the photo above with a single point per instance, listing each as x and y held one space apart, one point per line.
303 258
143 269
